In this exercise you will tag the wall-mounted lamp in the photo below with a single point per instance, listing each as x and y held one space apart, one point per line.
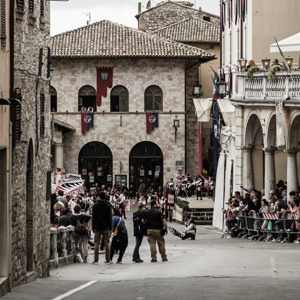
197 90
176 125
222 89
17 93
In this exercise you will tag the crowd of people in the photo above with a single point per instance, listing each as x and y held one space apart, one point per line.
274 217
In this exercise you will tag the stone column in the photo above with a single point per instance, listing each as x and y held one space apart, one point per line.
53 245
292 173
247 166
270 172
59 156
63 232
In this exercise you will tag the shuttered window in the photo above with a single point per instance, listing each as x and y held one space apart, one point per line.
42 114
31 6
3 24
20 5
42 10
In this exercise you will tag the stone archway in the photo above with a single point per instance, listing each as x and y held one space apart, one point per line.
146 162
95 164
29 208
253 153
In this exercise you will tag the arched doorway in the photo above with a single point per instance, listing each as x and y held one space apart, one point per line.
254 141
95 164
29 208
146 162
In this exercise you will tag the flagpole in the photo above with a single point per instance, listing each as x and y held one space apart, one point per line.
200 141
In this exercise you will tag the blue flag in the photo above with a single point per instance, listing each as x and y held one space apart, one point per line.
215 137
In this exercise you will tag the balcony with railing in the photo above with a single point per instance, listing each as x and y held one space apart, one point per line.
260 87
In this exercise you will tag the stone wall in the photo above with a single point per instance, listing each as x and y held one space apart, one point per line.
170 13
30 210
136 75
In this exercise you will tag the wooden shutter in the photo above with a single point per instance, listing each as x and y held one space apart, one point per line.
31 6
3 25
42 9
42 114
20 5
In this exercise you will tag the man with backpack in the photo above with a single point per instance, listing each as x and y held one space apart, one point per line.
81 233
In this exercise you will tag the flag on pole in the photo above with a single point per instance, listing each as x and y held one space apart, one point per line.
148 4
215 84
216 75
282 55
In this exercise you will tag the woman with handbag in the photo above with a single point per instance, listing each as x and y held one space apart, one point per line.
120 237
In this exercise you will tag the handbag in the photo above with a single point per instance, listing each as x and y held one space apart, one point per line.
116 230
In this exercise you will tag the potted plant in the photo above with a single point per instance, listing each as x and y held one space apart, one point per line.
272 71
252 70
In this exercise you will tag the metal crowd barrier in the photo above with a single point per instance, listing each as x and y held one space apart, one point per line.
259 226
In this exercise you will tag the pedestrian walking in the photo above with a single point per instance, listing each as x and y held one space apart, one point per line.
120 237
156 229
81 233
102 225
138 232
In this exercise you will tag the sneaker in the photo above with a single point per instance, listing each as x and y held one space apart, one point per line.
95 263
165 259
138 261
153 260
296 242
119 262
108 262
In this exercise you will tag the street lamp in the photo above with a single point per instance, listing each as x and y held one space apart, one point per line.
197 90
243 63
266 63
222 89
176 126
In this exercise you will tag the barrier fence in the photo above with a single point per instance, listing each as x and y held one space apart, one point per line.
279 227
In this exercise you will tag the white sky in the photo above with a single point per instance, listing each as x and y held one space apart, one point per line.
73 14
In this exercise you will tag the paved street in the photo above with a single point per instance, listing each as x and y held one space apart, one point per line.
207 268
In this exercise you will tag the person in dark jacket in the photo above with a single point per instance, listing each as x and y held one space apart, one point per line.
102 226
138 232
155 224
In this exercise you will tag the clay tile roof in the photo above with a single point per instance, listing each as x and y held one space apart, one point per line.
192 30
106 39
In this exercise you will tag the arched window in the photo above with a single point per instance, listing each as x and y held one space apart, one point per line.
87 97
53 99
153 98
119 99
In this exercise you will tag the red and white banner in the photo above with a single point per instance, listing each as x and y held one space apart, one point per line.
104 81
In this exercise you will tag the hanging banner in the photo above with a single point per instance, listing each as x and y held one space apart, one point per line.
151 121
90 112
84 118
215 136
104 81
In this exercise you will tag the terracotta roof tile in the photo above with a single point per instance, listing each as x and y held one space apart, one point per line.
106 39
192 30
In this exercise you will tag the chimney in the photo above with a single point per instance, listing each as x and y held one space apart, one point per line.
139 7
200 13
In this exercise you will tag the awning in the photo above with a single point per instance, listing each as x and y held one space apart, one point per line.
67 127
203 107
290 44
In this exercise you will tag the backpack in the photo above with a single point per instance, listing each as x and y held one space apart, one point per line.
80 227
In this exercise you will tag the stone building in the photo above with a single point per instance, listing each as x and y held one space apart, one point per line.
25 157
260 145
150 74
169 12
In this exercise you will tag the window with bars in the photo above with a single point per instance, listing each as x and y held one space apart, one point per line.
42 8
3 24
42 113
31 6
20 5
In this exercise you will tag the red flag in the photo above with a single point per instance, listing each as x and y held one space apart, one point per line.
148 4
84 124
104 81
148 123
